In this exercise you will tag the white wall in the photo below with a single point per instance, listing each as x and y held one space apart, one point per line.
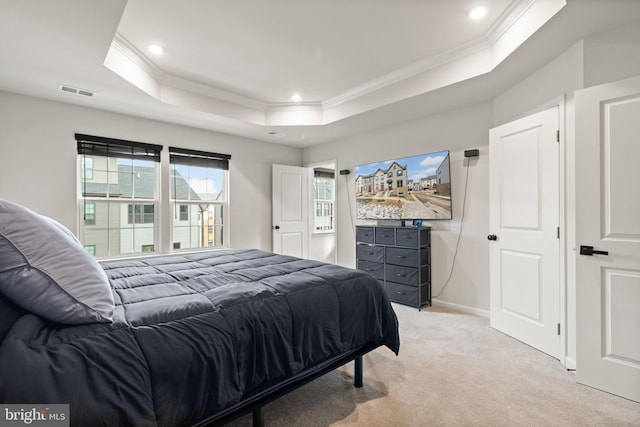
38 160
562 75
456 131
612 55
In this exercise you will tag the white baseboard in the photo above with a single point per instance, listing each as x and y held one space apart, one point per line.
462 308
570 363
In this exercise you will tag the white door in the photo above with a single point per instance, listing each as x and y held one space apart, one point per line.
524 217
290 211
608 220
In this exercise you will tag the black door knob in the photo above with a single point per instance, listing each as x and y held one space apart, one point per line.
277 227
589 251
492 237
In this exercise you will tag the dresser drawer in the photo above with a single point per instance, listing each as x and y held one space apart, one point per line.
402 293
365 234
402 256
374 268
385 236
399 274
370 253
407 237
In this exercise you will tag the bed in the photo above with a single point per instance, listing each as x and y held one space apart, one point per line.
190 339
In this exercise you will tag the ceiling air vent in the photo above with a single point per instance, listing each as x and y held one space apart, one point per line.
76 91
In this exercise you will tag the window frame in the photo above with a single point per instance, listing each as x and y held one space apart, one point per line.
321 203
162 202
222 160
89 146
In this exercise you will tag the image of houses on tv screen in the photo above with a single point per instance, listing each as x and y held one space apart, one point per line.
417 187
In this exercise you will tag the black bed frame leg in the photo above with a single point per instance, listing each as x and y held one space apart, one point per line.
258 417
357 376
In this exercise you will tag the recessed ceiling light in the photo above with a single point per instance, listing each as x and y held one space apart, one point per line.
296 97
156 49
477 13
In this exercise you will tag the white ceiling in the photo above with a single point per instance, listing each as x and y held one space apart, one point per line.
267 50
232 66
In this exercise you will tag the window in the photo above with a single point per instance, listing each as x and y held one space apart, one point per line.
184 212
121 198
323 199
119 188
198 183
90 214
87 167
140 214
399 172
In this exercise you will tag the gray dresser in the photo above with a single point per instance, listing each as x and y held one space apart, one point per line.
400 258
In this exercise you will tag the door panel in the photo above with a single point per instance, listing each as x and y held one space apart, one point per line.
520 181
291 196
524 215
621 317
522 292
620 168
608 207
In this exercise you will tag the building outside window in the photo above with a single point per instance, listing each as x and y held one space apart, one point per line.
323 199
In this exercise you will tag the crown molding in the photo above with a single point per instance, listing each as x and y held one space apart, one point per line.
518 22
507 19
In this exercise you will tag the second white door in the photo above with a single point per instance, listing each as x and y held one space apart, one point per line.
608 237
290 213
524 217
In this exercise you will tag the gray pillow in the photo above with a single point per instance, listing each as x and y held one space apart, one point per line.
45 270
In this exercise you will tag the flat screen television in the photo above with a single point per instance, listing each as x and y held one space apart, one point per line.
416 187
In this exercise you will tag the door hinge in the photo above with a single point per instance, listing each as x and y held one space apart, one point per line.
558 328
558 135
558 232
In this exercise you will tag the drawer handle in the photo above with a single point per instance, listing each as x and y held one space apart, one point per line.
407 237
401 275
401 256
401 293
371 253
369 269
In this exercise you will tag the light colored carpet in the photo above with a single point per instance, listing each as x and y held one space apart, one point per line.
453 370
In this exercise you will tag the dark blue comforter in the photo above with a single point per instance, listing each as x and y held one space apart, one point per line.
192 335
